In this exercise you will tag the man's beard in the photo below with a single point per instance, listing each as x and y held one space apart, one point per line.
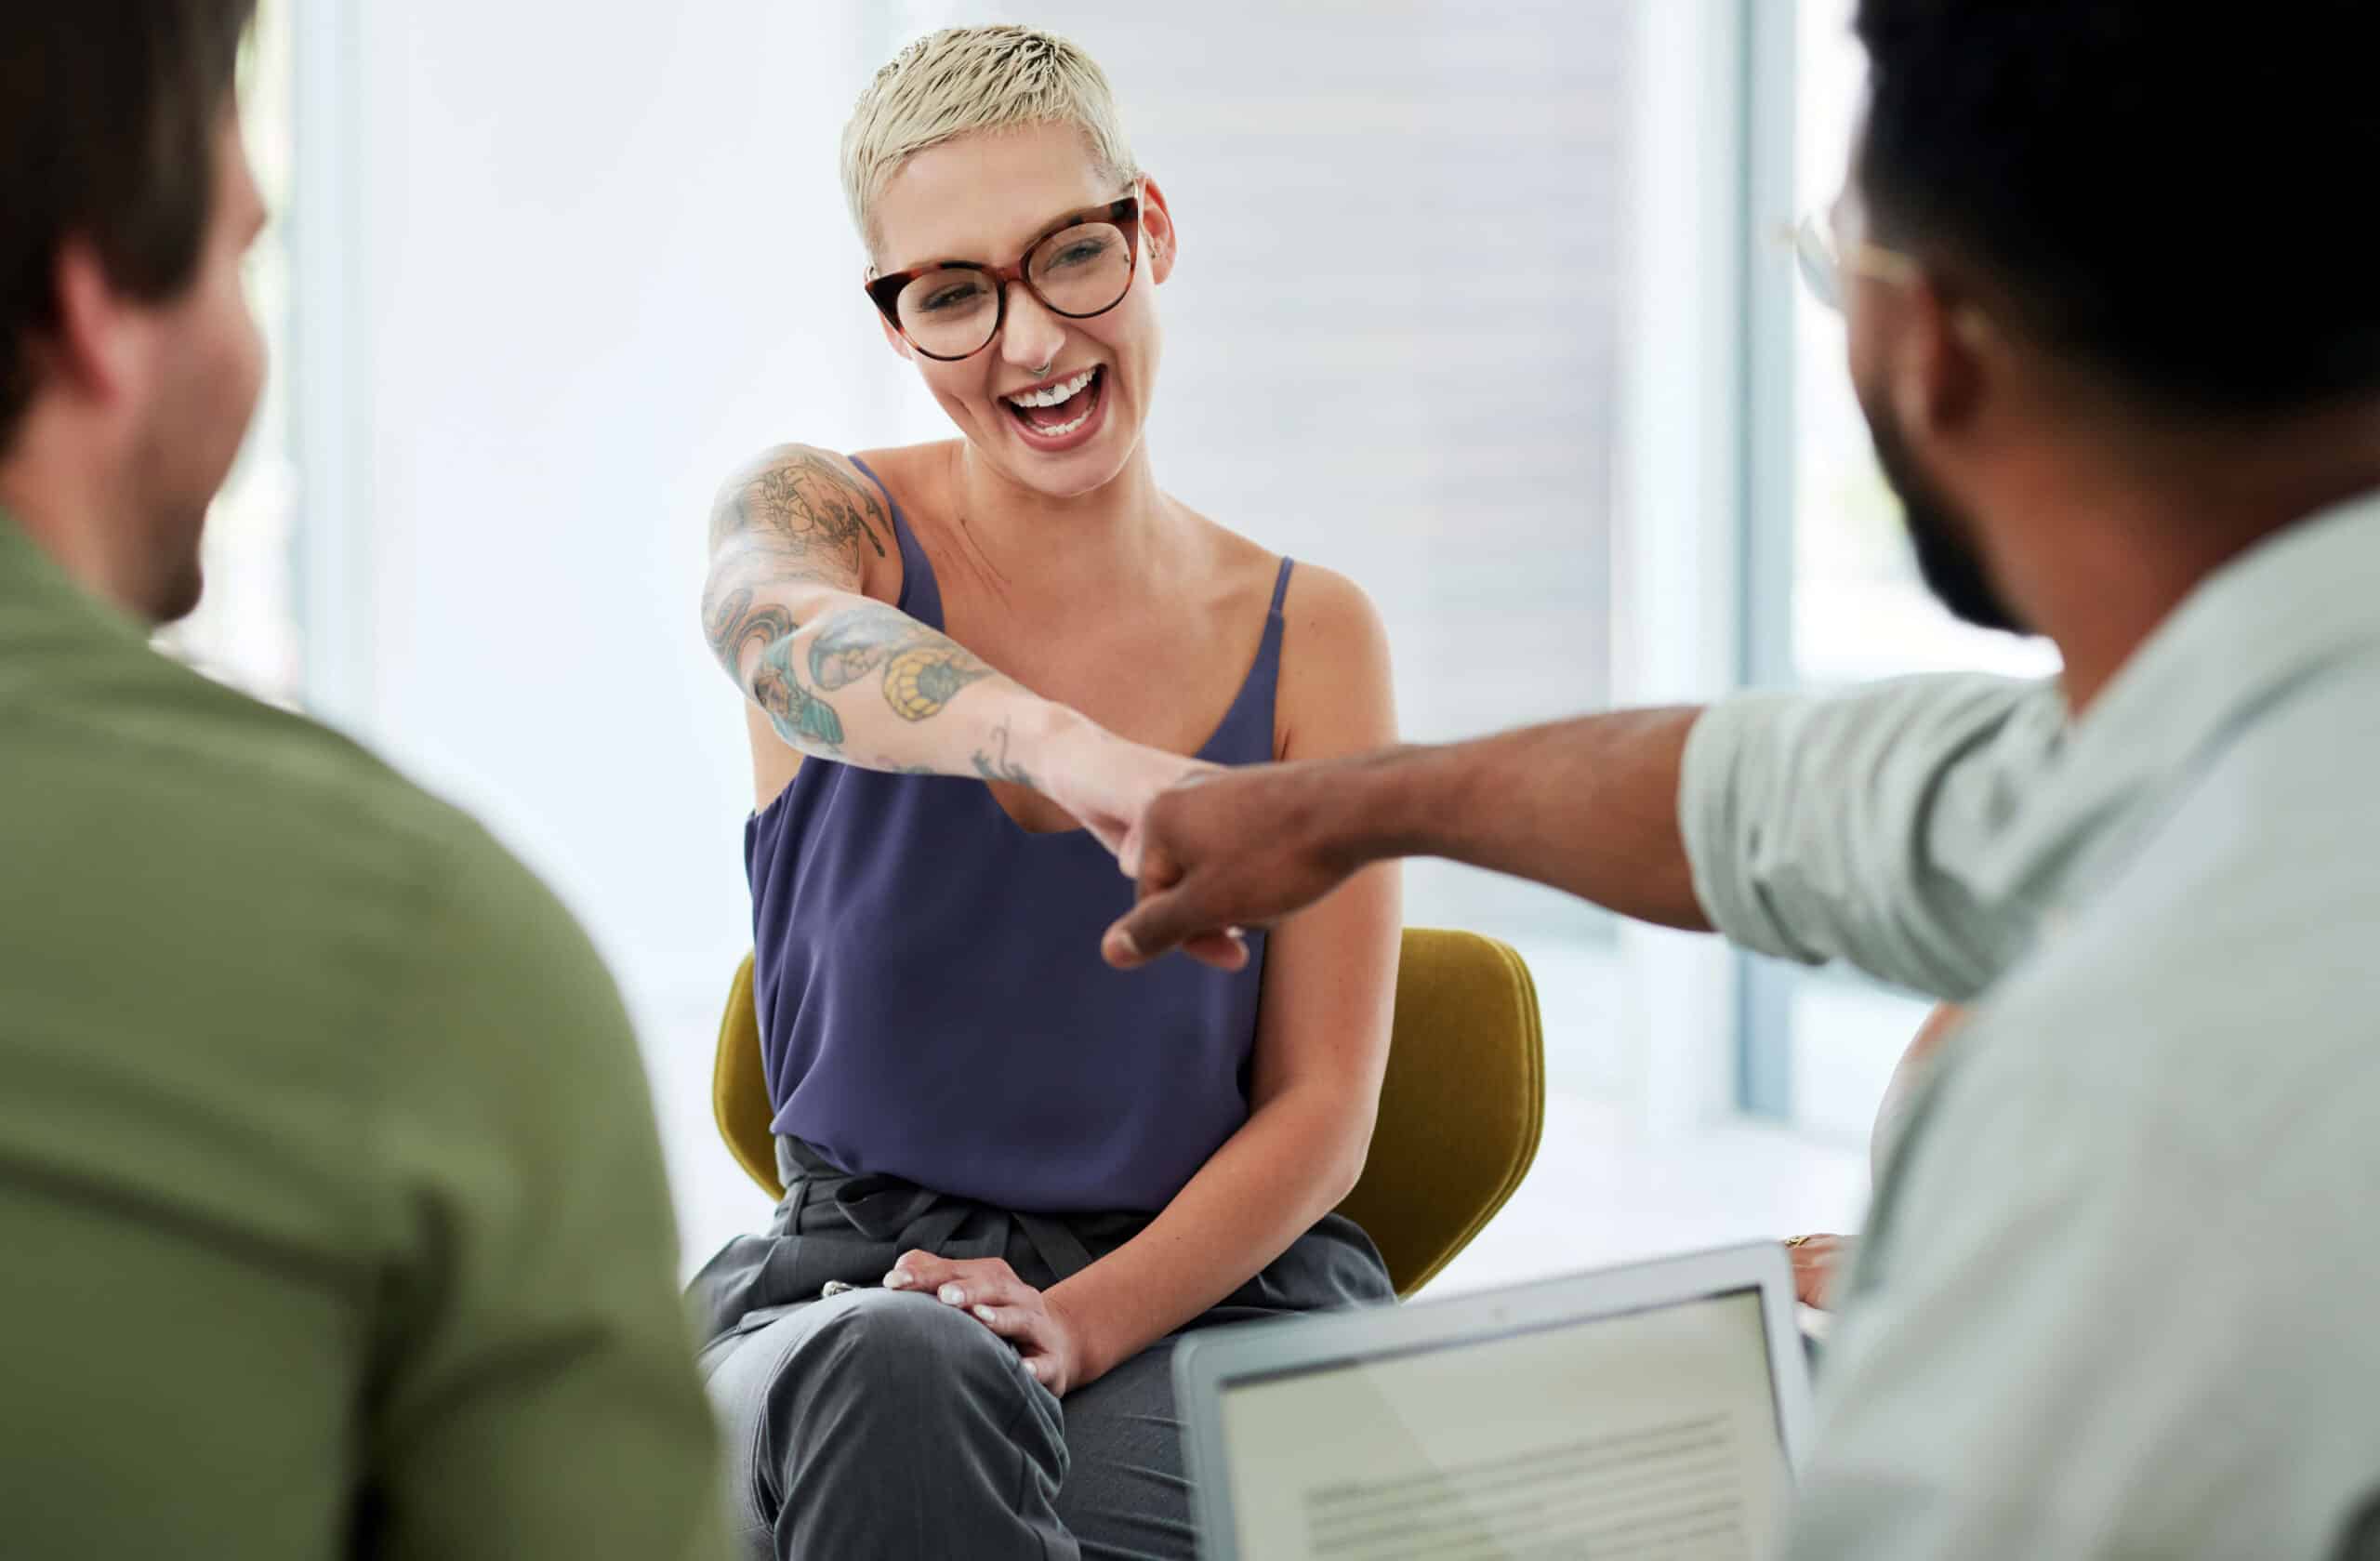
1942 537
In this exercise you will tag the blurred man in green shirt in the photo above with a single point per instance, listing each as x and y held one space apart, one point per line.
332 1219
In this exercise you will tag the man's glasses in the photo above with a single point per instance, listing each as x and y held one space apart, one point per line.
1082 266
1823 258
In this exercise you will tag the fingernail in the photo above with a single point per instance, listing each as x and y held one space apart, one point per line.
985 1313
896 1280
952 1295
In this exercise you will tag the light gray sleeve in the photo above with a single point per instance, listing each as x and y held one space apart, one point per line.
2099 1323
1998 1396
1844 826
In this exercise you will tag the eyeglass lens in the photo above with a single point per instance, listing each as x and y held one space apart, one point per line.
1076 272
1814 252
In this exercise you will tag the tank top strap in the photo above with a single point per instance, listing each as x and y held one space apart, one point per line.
1281 588
921 593
1267 671
1246 735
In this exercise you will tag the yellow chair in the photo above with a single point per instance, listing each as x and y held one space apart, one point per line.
1459 1113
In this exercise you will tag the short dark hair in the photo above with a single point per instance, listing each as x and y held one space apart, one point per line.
2162 190
108 113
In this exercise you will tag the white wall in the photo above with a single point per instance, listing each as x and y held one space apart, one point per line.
583 279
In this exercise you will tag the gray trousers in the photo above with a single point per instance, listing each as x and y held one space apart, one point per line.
878 1424
885 1423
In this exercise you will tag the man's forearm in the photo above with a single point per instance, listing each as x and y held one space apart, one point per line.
1589 806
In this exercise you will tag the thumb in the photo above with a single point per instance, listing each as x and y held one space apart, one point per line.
1166 921
1156 926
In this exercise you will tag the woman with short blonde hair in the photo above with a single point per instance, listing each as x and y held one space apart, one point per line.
1014 1175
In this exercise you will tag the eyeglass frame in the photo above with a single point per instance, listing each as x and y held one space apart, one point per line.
1822 257
1123 214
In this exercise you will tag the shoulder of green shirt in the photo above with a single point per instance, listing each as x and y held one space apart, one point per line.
316 813
461 1071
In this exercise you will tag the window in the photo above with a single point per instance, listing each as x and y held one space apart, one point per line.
1390 350
1840 602
245 630
1859 611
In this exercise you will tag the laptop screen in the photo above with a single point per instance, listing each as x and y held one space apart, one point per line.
1647 1433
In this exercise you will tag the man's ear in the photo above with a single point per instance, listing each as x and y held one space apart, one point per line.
1937 369
1158 235
96 345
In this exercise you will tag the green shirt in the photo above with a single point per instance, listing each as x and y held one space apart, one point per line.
2120 1291
332 1217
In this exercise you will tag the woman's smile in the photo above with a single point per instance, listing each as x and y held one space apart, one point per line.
1060 414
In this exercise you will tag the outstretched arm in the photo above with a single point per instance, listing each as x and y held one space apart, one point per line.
1849 826
797 540
1587 805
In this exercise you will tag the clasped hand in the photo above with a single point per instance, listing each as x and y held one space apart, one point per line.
989 1290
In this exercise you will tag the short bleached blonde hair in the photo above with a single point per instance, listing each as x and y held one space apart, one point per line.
965 79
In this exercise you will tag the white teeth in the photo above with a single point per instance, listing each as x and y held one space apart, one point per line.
1063 429
1055 395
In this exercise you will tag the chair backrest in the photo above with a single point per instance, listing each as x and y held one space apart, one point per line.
1462 1108
1460 1112
739 1087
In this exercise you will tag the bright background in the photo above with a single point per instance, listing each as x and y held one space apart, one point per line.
1479 304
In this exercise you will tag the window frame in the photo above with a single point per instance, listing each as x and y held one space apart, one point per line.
1763 1026
329 380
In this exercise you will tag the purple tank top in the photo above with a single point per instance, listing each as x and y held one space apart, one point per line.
932 1003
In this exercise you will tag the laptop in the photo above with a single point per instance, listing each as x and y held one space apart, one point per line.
1653 1410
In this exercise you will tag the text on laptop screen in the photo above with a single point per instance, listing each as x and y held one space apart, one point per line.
1649 1433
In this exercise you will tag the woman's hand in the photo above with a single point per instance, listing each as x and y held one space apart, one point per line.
1108 782
1819 1260
1249 846
989 1290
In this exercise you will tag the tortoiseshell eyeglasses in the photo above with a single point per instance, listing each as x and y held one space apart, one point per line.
1080 266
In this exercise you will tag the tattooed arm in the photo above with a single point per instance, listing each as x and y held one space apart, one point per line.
798 539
